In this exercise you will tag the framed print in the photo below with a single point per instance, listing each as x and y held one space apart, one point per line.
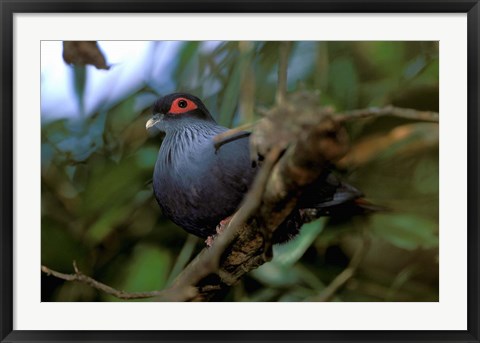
241 171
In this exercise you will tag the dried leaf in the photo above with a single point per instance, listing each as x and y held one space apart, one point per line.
81 53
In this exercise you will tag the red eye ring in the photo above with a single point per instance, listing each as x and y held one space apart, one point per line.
182 105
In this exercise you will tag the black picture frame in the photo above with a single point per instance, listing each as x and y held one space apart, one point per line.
10 7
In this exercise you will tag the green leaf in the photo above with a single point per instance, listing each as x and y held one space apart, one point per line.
280 271
147 157
79 82
297 294
344 83
413 68
58 247
122 115
231 94
289 253
111 185
430 74
406 231
386 56
106 224
425 176
276 275
183 257
147 269
188 52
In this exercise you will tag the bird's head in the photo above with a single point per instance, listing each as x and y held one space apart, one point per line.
175 111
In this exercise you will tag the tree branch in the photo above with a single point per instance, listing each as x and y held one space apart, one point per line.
406 113
170 294
265 208
232 134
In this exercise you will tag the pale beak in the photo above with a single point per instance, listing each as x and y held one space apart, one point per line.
153 121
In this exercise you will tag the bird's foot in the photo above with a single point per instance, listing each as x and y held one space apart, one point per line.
223 224
219 229
209 241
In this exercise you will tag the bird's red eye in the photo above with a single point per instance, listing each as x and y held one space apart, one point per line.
182 105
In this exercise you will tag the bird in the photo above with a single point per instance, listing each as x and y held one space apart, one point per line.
199 187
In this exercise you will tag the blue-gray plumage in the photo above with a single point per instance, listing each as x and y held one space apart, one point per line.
197 186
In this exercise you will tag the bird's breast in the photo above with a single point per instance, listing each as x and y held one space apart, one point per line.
197 187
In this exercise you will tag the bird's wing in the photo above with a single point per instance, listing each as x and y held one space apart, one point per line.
233 167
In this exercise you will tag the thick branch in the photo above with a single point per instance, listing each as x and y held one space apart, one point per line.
306 155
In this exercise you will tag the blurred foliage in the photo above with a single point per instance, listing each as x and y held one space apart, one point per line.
97 201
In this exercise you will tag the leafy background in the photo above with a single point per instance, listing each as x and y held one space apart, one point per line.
97 162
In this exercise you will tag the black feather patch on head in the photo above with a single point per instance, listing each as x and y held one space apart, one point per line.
176 104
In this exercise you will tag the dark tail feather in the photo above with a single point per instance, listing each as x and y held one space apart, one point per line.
345 201
329 197
343 210
338 213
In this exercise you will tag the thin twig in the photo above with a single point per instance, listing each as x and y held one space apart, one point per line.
171 294
232 134
406 113
341 279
